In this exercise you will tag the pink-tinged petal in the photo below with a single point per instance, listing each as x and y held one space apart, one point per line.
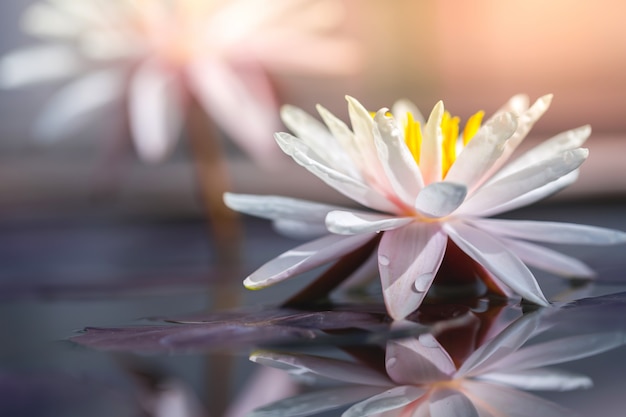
352 222
363 128
477 158
68 108
315 134
552 232
365 138
561 350
155 107
392 399
524 181
304 258
500 400
491 354
564 141
279 208
491 254
313 403
446 402
350 187
418 361
440 199
408 259
432 138
548 259
402 108
335 369
399 165
525 122
526 199
539 380
37 64
240 100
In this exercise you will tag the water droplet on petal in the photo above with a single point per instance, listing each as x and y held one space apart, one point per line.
391 362
383 260
428 340
423 281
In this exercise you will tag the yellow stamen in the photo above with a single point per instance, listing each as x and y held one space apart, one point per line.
413 137
450 137
450 133
472 126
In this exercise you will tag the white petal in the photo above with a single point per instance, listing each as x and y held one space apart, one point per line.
561 350
352 222
363 128
528 198
451 403
279 208
399 165
349 186
517 104
389 400
525 122
440 199
239 101
564 141
552 232
24 66
319 138
304 258
540 380
548 259
505 401
336 369
521 182
430 155
491 354
477 158
418 361
408 259
68 107
314 402
400 110
492 255
155 106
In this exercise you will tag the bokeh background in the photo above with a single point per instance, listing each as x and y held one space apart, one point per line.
473 55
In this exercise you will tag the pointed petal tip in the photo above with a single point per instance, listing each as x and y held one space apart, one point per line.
253 285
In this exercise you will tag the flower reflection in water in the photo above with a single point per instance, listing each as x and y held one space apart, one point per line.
422 378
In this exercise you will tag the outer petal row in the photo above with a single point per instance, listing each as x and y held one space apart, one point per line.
304 258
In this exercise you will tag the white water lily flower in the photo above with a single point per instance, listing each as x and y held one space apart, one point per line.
163 53
422 379
431 189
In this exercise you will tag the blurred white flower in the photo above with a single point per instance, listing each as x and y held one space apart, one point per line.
164 53
422 380
431 188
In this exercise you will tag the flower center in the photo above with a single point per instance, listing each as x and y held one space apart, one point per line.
451 143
